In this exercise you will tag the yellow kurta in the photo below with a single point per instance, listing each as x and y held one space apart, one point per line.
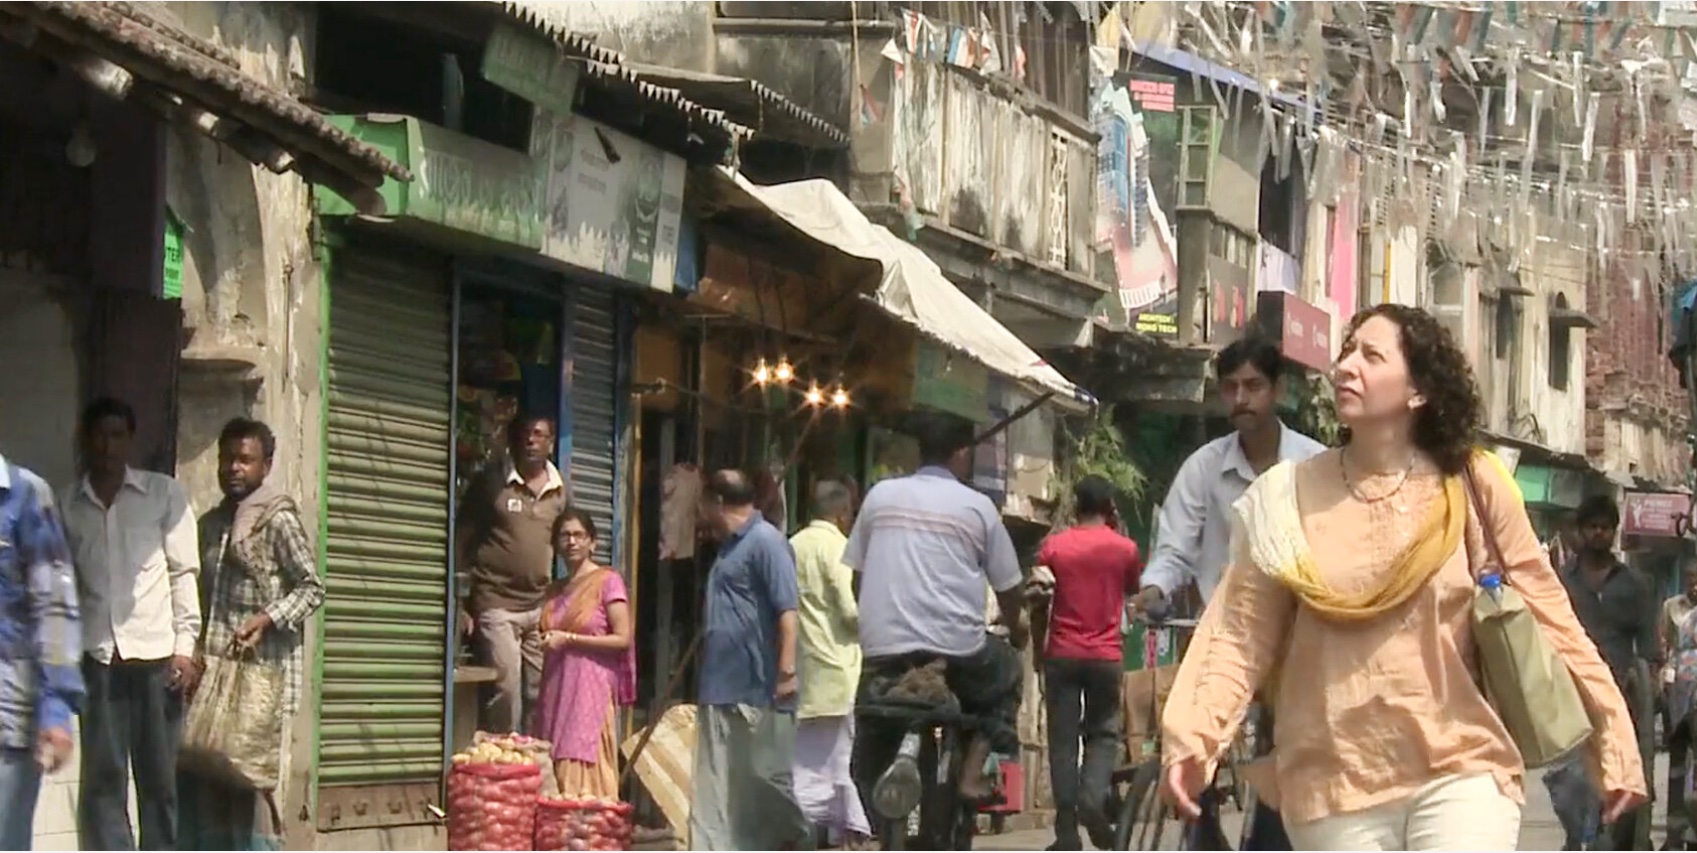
829 666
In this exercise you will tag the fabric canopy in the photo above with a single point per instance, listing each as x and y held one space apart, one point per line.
914 289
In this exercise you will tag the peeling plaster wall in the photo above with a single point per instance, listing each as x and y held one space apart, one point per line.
1551 416
250 282
1636 411
251 292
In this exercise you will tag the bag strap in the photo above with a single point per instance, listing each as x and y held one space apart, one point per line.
1495 550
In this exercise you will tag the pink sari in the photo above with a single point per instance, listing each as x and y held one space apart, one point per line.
580 687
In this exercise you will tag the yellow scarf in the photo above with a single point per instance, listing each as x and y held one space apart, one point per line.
1425 555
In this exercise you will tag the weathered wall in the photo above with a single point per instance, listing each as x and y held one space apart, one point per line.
251 294
1539 411
1635 409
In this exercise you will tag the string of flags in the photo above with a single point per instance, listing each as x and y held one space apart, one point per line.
1553 81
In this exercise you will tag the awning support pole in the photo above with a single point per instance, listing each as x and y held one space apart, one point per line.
1006 422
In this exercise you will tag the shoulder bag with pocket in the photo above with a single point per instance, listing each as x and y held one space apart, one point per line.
1529 685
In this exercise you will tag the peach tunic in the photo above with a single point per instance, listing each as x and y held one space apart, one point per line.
1368 712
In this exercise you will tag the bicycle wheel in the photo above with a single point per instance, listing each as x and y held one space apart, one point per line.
1144 822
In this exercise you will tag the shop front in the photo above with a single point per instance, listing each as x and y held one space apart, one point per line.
466 309
747 368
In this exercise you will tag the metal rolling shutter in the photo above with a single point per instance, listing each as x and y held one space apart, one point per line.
593 409
381 697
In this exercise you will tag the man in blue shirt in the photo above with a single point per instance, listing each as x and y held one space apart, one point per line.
41 685
745 723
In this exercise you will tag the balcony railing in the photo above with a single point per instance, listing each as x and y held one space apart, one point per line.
994 165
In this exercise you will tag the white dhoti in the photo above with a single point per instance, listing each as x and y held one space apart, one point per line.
824 787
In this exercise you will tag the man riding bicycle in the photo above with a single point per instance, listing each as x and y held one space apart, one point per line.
1195 525
925 546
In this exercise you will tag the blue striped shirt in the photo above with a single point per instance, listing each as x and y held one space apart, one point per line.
41 684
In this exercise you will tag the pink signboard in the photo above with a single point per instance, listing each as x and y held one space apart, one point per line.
1655 514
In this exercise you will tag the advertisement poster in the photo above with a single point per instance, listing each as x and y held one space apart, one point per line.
613 203
1138 187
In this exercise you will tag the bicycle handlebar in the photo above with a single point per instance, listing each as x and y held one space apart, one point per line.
1156 617
1175 623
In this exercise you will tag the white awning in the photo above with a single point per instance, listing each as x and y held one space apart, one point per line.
914 289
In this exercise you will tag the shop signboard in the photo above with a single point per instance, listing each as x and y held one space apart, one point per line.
531 66
1303 331
950 382
612 202
1655 514
461 184
172 286
1230 301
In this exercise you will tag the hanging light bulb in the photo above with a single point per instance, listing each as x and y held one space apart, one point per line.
762 373
785 372
814 396
840 397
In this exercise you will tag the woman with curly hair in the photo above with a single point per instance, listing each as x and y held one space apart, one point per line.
1352 580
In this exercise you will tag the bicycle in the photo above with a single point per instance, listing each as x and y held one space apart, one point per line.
935 738
1143 821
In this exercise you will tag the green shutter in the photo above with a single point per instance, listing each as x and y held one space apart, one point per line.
593 409
381 695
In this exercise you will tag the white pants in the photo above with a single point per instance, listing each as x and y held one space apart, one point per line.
1449 813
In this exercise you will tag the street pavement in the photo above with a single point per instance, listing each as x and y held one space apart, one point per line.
1539 829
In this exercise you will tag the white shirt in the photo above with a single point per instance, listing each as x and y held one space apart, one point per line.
1193 541
137 563
925 545
553 483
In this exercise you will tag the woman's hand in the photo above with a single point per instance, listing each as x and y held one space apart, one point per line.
1617 803
1181 787
558 639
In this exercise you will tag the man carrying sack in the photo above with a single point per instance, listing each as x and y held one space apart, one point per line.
259 588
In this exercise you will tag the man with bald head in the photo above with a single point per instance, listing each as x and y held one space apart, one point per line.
745 715
830 669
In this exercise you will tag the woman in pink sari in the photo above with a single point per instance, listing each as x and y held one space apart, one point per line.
589 669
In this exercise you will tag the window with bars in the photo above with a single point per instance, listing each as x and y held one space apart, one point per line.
1199 138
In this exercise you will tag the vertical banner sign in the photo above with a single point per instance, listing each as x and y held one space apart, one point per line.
1138 183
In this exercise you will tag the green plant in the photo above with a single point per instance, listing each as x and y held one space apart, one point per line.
1316 410
1096 446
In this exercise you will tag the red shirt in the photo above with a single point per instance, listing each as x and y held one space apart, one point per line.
1095 569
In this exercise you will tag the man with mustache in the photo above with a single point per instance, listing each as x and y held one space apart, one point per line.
259 586
1195 524
505 542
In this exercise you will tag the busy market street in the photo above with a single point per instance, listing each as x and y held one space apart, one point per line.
898 424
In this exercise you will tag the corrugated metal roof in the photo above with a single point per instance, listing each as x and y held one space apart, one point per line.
183 72
750 103
608 69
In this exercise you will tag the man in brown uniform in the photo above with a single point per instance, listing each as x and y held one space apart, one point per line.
504 538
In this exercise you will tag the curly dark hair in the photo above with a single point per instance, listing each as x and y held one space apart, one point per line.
1447 427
